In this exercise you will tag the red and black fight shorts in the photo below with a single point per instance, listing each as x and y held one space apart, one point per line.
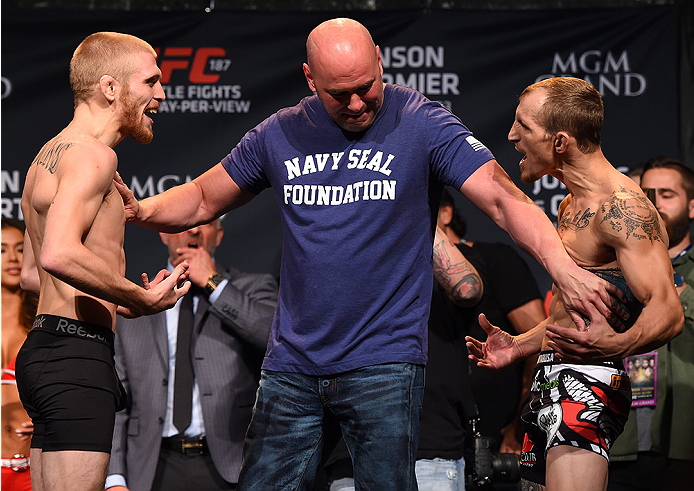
585 406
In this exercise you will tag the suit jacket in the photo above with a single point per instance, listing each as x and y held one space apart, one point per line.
229 341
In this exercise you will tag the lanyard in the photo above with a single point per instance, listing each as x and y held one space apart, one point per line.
684 251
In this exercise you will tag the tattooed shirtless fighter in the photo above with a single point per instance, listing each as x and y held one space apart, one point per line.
579 404
75 227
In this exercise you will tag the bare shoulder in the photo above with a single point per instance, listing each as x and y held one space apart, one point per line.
627 214
68 151
564 203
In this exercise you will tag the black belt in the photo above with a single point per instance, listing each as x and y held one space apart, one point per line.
186 445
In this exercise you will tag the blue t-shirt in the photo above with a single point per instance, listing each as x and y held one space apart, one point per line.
358 214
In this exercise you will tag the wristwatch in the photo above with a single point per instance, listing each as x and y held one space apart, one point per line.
213 282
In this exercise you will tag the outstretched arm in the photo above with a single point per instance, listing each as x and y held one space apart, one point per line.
491 190
196 202
455 273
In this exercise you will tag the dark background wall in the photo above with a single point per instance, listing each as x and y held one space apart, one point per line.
34 36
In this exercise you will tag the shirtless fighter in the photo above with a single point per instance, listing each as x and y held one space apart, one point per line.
74 242
579 404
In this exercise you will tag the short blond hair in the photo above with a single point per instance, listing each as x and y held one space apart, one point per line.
104 53
572 105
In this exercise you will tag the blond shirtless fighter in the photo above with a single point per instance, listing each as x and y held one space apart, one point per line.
75 229
607 225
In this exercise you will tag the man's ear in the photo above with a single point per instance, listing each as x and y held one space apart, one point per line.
380 61
690 208
108 85
220 234
561 142
309 78
445 215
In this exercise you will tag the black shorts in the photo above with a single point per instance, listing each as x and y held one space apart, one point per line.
68 384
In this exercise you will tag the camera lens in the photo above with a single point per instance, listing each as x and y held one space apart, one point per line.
506 467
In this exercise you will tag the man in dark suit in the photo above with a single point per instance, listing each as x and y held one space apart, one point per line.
170 439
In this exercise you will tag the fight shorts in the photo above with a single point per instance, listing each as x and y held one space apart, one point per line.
68 384
585 406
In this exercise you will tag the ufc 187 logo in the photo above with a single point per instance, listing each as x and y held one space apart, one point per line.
202 64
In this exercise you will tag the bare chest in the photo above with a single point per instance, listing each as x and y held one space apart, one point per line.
578 228
108 227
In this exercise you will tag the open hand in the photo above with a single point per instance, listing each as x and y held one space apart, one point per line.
161 293
201 264
167 288
500 349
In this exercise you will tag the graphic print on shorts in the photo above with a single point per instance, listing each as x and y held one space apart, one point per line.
586 409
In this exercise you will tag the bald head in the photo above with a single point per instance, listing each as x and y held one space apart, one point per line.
344 69
338 37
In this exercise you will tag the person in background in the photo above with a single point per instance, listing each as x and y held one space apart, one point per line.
357 170
656 450
75 221
175 435
18 311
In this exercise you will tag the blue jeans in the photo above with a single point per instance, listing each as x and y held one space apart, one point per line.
441 475
432 475
378 410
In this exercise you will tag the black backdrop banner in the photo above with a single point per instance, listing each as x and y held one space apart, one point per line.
224 72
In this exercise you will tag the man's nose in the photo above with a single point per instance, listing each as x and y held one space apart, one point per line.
512 134
159 92
355 103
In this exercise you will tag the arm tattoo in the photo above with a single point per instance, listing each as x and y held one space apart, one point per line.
577 222
468 287
531 486
445 272
633 212
50 155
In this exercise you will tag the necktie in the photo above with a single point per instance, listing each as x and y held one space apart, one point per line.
183 378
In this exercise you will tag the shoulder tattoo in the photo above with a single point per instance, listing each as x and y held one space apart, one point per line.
576 222
633 213
50 155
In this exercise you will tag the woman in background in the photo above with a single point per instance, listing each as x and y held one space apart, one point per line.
18 311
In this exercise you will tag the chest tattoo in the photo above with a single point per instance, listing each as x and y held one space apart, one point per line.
576 222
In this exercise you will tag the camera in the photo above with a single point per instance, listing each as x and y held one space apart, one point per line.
483 466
